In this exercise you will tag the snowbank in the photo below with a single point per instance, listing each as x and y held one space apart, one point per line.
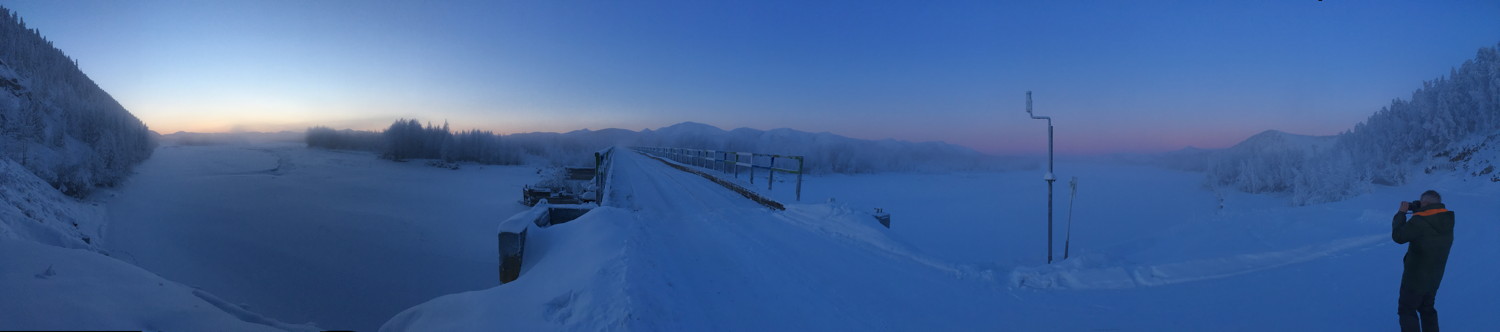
571 280
31 210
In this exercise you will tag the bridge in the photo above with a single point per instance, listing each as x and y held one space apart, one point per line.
695 243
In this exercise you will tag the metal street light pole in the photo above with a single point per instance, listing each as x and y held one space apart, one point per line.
1072 198
1048 177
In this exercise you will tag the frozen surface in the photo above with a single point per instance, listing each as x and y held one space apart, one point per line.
340 239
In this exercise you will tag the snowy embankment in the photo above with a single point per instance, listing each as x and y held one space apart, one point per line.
1152 249
343 240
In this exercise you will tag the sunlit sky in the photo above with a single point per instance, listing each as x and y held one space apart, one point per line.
1118 76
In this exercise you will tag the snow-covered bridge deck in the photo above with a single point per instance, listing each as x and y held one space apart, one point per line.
684 253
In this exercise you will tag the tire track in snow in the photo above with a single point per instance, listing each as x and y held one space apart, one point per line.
703 247
1073 274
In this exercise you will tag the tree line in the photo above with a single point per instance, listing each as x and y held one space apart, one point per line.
409 139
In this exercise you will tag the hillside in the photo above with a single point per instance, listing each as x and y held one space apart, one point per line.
61 129
57 122
61 138
1439 128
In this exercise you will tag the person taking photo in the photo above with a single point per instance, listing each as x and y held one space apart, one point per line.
1428 235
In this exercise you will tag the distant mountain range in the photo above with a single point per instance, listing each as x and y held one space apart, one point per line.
825 152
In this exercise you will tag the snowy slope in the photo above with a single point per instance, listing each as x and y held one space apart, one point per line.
31 210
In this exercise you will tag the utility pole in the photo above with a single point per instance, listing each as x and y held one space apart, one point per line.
1048 177
1068 239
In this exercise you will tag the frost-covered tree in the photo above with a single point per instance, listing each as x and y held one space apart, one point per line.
328 138
56 122
408 139
1382 150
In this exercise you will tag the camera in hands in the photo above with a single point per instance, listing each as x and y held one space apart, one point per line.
1414 206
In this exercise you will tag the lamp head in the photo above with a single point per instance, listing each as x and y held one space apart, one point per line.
1028 103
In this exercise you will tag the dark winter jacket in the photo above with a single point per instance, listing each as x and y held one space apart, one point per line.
1431 235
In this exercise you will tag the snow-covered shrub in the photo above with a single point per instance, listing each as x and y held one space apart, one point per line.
1267 162
1329 177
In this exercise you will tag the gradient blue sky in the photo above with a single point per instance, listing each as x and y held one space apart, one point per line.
1119 76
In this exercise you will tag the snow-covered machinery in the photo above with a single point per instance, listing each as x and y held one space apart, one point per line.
553 201
566 185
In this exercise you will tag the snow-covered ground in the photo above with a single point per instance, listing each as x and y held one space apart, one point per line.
245 236
1152 250
343 240
53 288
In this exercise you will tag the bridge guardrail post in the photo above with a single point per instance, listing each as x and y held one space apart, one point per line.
771 174
720 161
752 169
